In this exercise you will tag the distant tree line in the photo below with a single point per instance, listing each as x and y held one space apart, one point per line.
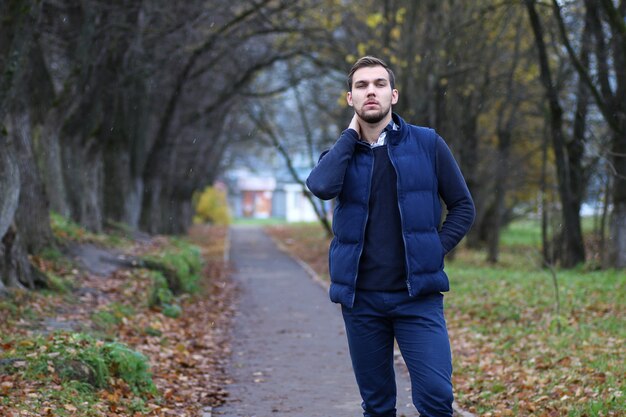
121 111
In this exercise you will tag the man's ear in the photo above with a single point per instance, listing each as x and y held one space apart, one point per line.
394 96
349 98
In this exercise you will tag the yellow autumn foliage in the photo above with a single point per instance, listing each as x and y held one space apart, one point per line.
374 19
212 207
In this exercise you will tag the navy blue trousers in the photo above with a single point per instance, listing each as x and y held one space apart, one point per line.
418 325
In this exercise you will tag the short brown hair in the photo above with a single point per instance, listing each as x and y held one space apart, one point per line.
370 61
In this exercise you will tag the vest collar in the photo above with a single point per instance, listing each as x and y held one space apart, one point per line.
395 136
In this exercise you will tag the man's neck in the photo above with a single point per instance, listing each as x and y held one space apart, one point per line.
371 131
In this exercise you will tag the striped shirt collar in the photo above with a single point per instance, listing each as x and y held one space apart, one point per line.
382 139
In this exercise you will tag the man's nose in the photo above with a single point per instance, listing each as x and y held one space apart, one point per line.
371 89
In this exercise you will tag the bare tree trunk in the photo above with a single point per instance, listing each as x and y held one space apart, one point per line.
507 116
15 39
32 216
573 250
12 257
123 187
617 247
48 151
21 193
546 247
612 104
606 202
83 175
493 242
617 17
9 185
576 146
9 191
468 161
125 144
15 267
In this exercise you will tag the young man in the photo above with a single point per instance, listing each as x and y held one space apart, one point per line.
386 259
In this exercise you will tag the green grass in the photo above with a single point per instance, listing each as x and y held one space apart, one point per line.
78 395
528 232
76 357
59 284
522 233
67 230
17 306
107 319
511 311
244 221
185 261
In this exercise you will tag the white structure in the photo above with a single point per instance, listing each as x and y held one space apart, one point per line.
263 195
256 196
298 207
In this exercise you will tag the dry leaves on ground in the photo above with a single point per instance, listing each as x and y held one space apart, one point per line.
186 354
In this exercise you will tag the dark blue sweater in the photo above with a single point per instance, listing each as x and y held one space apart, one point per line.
382 264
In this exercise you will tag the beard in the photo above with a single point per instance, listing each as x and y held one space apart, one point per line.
373 117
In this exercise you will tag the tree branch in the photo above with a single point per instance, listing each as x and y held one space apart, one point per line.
600 102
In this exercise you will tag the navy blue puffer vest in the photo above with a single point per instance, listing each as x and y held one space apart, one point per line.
412 151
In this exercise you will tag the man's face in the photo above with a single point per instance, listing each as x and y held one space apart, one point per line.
371 95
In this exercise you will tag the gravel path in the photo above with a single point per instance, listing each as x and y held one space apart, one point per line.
289 350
